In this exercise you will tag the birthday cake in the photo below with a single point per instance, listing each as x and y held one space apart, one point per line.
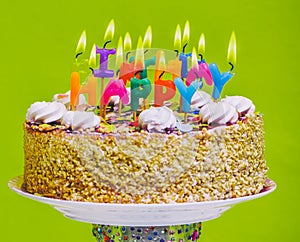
126 150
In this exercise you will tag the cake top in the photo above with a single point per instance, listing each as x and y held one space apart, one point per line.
139 91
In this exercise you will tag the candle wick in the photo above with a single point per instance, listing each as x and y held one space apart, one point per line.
107 42
78 54
146 51
91 70
232 66
117 72
161 74
183 48
201 57
140 71
127 54
177 52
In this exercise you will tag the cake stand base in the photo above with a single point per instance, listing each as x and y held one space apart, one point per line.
177 233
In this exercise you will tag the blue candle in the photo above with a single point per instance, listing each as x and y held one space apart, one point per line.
186 92
220 79
184 65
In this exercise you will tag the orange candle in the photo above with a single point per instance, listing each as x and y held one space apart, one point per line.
90 88
75 87
164 90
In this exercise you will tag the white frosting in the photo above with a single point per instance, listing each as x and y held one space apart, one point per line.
157 119
45 112
219 113
199 99
65 98
241 104
80 120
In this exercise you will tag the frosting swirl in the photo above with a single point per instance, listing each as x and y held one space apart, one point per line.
242 104
157 119
219 113
199 99
45 112
80 120
65 99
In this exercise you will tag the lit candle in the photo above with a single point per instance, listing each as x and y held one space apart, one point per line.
140 88
90 88
103 71
200 68
116 87
220 79
75 77
147 45
174 66
126 68
164 90
183 57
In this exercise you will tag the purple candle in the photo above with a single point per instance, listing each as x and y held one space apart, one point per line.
103 69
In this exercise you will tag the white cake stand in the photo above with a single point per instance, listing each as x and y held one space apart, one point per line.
142 222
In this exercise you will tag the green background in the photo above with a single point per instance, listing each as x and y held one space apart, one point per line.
38 40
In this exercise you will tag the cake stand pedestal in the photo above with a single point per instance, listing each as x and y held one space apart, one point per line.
178 222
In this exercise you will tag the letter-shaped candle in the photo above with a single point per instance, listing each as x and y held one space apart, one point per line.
140 88
90 88
199 70
115 87
186 92
164 89
183 57
75 87
220 79
103 71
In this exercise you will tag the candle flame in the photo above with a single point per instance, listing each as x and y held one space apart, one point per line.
177 38
139 55
127 42
201 45
194 58
81 44
147 38
231 54
109 33
186 33
162 61
119 57
92 59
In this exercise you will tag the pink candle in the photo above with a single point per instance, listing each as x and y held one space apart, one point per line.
115 87
199 70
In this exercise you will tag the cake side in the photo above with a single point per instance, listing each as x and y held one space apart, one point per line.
141 167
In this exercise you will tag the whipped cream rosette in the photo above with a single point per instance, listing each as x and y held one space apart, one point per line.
80 120
157 119
45 112
219 113
242 104
65 99
199 99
